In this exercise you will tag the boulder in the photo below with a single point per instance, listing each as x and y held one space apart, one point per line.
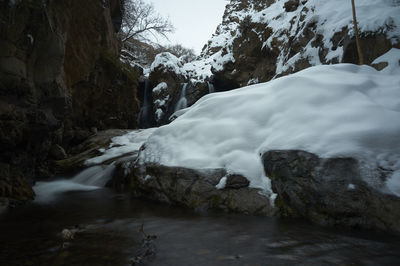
330 191
196 188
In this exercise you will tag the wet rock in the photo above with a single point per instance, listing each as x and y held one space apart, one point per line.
196 188
147 251
14 188
57 152
332 191
86 150
67 234
236 181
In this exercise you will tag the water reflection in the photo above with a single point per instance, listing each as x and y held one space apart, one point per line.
109 235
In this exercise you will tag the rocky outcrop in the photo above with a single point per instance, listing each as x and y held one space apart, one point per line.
59 76
168 69
196 188
90 148
267 39
332 191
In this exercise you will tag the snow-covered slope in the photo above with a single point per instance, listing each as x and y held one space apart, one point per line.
336 110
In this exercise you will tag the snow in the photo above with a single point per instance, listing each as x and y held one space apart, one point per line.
159 114
160 87
394 183
335 110
222 183
167 61
122 145
393 59
351 187
160 102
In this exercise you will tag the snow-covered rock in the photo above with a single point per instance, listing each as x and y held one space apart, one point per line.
198 189
266 39
339 110
345 116
330 191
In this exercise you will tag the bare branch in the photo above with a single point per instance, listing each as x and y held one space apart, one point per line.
140 21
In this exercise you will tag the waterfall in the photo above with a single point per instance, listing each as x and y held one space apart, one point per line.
146 115
91 178
210 87
182 102
95 176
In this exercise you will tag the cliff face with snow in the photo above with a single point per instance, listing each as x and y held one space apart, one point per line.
260 40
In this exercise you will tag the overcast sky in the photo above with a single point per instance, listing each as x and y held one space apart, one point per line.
194 20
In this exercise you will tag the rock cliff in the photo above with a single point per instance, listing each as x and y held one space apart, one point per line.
59 76
264 39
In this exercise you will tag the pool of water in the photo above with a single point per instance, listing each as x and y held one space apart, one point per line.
109 234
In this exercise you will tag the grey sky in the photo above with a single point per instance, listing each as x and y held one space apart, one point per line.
194 20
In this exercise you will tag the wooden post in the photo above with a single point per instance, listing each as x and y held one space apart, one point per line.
360 55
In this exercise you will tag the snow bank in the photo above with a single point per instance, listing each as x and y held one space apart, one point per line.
122 145
337 110
392 58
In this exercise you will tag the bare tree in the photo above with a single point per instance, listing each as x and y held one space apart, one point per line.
360 55
140 21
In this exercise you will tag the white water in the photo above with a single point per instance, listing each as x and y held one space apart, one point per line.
211 88
91 178
182 103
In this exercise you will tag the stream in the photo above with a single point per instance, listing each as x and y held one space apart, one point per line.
108 226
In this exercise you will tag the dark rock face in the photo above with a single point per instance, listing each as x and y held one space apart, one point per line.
107 98
329 191
58 66
195 188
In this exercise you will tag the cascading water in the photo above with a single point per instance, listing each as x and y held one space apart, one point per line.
146 115
182 102
211 88
91 178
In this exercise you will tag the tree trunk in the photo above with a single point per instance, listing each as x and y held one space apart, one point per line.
360 55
